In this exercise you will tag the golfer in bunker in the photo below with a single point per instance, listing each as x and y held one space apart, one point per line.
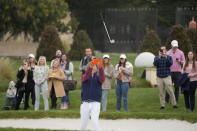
91 93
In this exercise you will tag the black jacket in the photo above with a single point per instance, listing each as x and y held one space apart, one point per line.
20 77
184 82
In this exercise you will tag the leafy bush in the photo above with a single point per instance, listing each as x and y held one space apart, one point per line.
7 73
151 42
31 16
50 42
192 35
6 69
81 42
66 46
178 33
74 23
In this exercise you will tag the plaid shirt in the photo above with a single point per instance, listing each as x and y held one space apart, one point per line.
163 66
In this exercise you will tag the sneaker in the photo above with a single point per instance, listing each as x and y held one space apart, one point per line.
162 108
175 107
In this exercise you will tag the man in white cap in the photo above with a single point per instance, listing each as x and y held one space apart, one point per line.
178 59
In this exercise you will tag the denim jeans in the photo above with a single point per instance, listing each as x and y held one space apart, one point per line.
43 88
65 99
104 99
122 91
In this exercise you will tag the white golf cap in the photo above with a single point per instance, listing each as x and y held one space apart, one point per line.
105 56
31 56
123 56
174 43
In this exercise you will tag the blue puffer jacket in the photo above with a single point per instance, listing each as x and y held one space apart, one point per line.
92 86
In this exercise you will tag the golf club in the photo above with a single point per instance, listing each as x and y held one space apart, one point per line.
112 41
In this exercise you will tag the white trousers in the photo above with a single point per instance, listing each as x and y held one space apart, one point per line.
87 110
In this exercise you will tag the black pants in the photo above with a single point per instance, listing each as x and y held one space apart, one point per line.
31 91
19 97
53 98
174 76
189 96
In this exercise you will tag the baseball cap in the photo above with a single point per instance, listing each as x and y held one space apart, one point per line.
31 56
123 56
174 43
106 56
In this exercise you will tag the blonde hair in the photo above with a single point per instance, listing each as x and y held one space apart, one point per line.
25 61
44 60
55 61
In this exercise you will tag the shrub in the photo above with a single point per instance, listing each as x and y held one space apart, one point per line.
81 41
74 23
180 35
192 35
50 42
6 69
150 43
7 73
66 46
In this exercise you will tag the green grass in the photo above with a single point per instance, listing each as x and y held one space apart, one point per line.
137 81
143 101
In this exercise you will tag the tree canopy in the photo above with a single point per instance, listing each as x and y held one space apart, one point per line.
31 16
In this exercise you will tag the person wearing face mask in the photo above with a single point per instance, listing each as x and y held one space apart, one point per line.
190 67
163 63
123 74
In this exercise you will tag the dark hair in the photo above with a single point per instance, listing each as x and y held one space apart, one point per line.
187 62
105 65
67 61
88 48
123 63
